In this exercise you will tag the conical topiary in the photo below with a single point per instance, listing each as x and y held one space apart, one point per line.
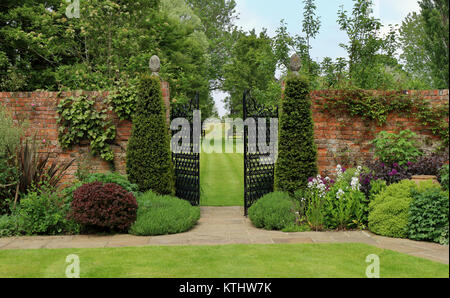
149 160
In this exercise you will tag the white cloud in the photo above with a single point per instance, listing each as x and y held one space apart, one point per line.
249 20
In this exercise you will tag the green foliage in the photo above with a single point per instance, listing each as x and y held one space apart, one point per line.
79 120
112 178
8 225
376 187
124 98
162 215
444 236
10 134
370 56
398 148
252 67
274 211
436 26
297 152
443 176
149 160
428 215
311 24
389 211
345 205
44 212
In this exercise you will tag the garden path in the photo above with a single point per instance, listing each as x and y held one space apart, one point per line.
226 225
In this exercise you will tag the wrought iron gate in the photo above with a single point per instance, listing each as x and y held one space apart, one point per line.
187 165
258 176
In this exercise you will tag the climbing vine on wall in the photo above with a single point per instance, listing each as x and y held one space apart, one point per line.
124 98
79 120
373 106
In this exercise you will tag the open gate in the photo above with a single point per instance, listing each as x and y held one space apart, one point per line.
187 165
258 175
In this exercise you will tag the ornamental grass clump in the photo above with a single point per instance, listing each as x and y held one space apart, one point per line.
149 160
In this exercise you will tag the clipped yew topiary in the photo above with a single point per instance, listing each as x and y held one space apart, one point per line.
297 152
149 160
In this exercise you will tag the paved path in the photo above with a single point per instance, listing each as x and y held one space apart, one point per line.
226 225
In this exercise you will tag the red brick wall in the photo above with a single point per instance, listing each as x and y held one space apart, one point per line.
346 140
342 140
42 121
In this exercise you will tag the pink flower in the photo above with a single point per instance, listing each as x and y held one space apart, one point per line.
43 141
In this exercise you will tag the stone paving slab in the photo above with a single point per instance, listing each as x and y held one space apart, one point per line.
227 225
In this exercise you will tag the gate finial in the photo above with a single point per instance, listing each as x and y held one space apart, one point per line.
295 64
155 65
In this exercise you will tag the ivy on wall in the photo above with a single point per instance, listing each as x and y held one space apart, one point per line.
79 120
372 106
124 99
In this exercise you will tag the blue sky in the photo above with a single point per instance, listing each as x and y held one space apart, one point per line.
267 14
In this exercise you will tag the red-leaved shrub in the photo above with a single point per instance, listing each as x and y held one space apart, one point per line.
104 206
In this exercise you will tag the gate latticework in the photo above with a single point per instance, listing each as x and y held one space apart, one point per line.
259 167
187 162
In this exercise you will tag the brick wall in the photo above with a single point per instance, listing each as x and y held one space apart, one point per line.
342 140
346 140
42 121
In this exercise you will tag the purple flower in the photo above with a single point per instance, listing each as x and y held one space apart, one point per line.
395 165
393 173
310 179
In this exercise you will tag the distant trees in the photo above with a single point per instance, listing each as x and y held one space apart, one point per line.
424 39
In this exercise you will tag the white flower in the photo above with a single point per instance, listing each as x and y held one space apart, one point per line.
355 183
340 194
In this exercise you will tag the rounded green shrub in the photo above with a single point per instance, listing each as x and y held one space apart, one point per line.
163 215
428 215
44 213
389 211
297 151
149 160
274 211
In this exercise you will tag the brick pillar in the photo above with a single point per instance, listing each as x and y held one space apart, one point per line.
166 98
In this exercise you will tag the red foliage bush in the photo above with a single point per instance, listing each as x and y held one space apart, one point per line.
105 206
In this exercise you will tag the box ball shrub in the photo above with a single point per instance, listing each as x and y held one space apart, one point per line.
274 211
297 151
106 207
149 160
163 215
389 211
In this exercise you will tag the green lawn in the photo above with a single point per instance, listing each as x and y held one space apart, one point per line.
231 261
222 178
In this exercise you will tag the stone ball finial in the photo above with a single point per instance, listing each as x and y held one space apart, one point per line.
155 64
295 64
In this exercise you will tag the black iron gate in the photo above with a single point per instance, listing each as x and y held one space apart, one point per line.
187 163
258 175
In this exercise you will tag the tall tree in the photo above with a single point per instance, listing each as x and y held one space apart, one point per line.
311 24
435 15
217 18
251 67
413 40
370 54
